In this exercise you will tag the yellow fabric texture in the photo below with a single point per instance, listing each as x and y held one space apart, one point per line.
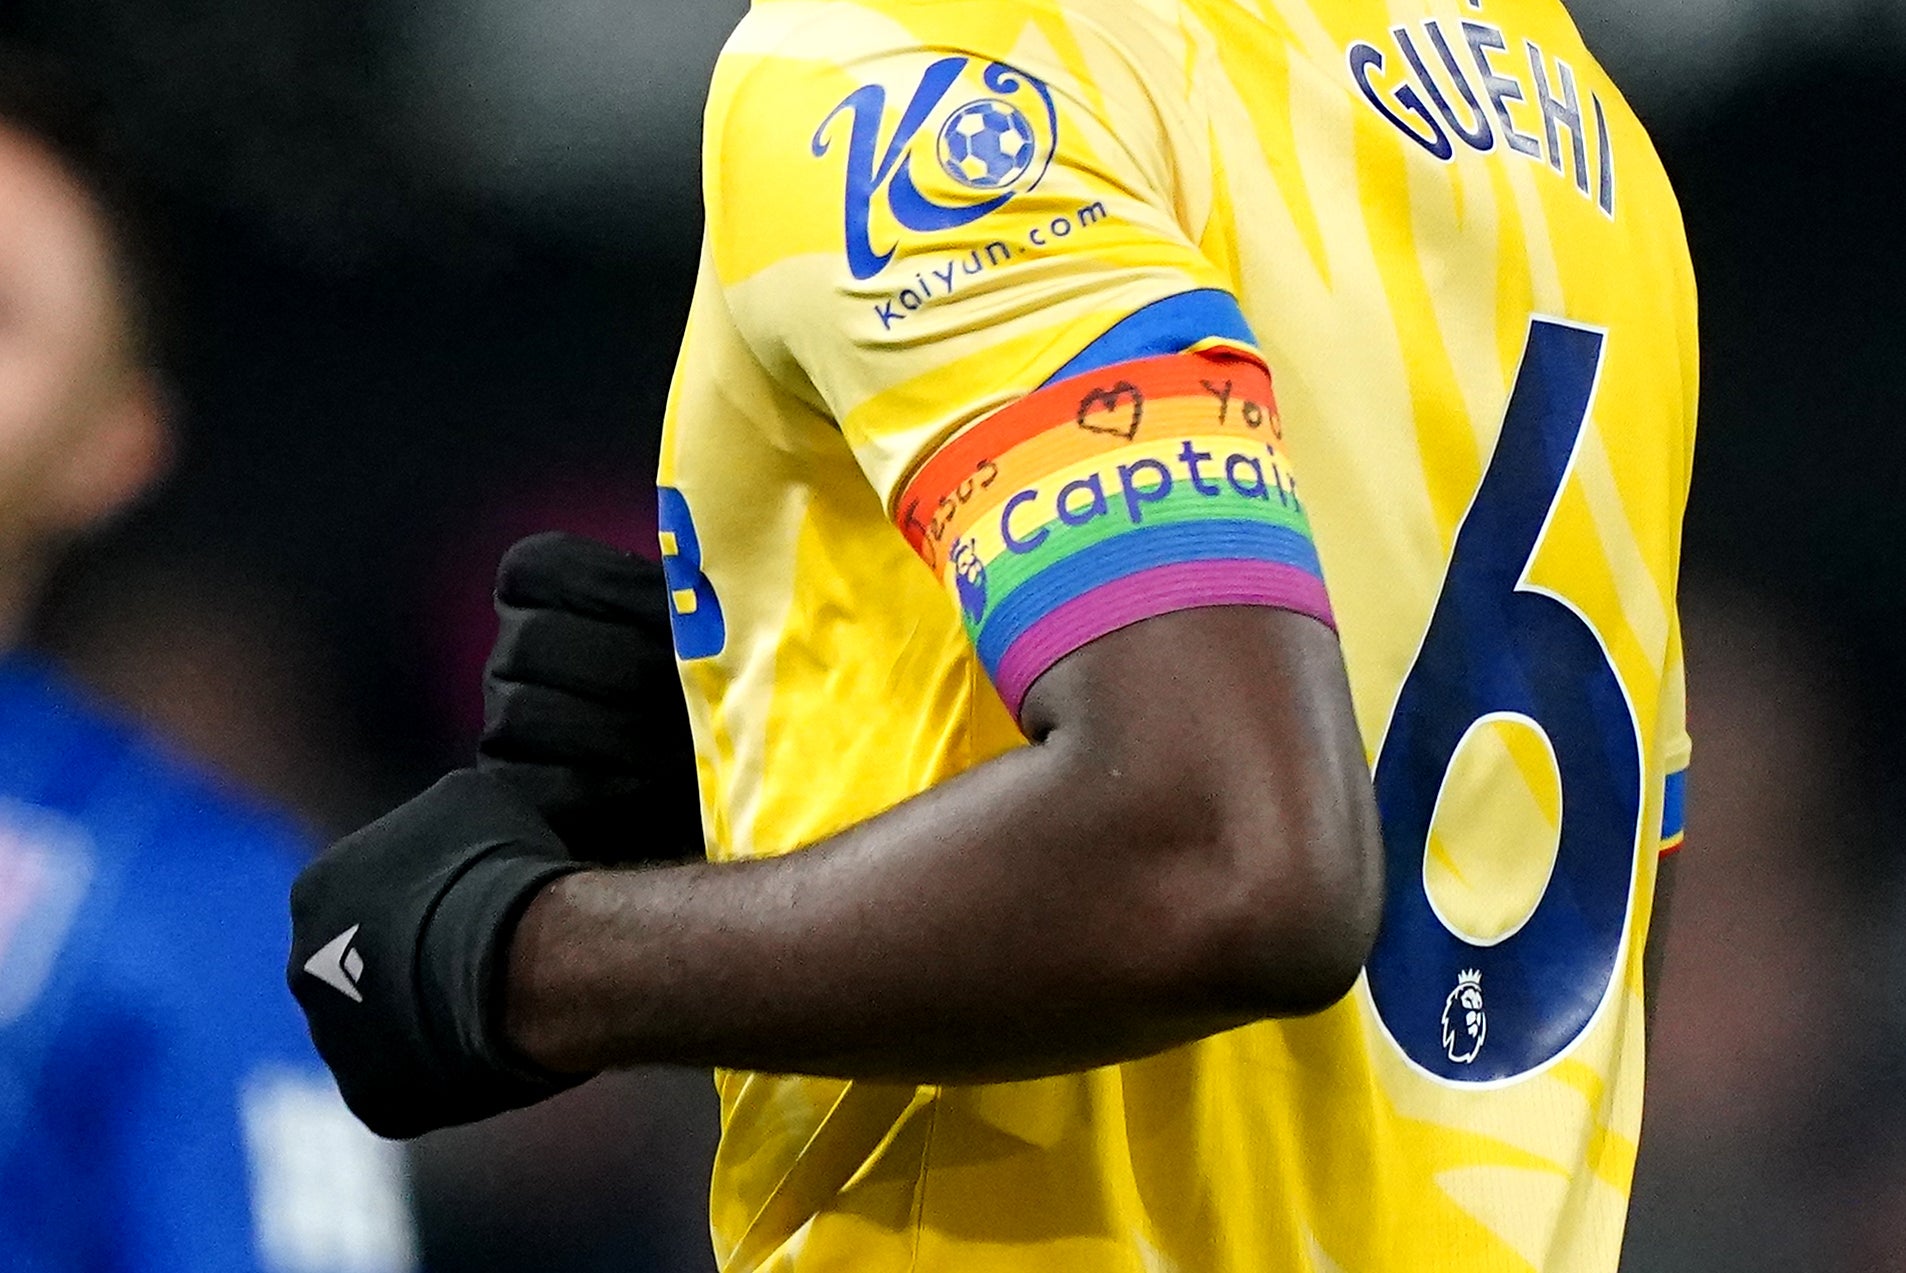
854 311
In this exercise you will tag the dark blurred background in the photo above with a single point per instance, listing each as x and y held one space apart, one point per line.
431 264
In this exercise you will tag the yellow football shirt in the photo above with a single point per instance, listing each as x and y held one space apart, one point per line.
1019 320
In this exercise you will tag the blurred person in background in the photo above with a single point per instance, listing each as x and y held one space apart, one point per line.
215 659
160 1108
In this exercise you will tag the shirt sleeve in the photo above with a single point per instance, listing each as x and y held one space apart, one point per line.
971 240
1677 747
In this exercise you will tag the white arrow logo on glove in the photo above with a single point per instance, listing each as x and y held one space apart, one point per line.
337 965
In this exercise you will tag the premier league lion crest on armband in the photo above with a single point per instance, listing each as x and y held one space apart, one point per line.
969 138
969 577
1465 1024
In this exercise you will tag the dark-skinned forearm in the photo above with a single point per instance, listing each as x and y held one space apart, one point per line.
1045 912
897 950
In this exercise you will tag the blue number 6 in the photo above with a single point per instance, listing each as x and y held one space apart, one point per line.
1497 645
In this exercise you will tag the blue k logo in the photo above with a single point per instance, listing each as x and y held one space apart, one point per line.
990 146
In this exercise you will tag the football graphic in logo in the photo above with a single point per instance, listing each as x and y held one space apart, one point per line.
987 144
916 165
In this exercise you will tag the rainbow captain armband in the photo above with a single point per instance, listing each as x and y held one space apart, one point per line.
1127 492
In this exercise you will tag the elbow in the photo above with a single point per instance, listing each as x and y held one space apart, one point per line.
1307 960
1291 931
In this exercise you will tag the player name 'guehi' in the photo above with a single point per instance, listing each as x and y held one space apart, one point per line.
1418 101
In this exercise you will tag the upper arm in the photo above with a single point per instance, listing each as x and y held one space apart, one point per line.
1129 553
1064 410
1228 731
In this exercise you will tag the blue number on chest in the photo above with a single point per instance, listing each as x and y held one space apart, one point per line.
1471 1011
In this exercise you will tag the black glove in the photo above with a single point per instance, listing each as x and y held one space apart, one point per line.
400 934
582 703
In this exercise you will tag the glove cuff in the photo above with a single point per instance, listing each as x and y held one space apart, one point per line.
464 956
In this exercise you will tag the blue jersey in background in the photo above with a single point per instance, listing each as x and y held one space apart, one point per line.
161 1107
